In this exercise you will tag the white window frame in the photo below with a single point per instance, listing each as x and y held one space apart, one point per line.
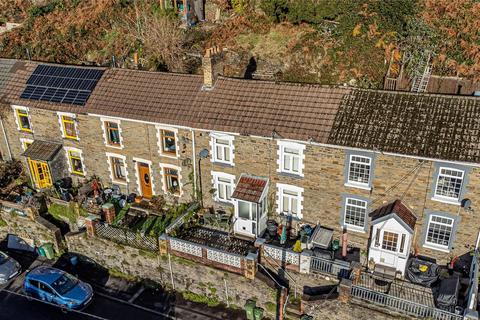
281 188
216 175
436 246
164 184
230 148
282 145
136 161
160 142
25 140
110 168
80 153
443 198
353 227
27 110
356 184
105 133
75 123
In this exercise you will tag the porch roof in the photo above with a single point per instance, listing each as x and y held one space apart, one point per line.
398 209
42 150
250 188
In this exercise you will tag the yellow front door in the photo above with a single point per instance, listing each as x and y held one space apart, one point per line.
40 173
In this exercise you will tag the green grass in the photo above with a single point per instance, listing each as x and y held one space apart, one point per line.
61 212
119 274
211 301
2 223
121 214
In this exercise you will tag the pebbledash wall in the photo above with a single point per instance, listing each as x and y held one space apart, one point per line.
394 177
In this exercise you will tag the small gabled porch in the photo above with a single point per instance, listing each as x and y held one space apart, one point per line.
45 163
250 203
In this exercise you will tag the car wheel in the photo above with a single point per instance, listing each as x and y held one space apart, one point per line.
64 309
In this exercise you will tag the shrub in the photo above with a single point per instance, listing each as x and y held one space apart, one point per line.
277 10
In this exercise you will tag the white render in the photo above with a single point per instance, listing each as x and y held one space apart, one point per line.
397 259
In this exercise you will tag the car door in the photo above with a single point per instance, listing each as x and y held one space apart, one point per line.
46 293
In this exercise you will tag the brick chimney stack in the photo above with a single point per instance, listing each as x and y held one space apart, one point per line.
212 64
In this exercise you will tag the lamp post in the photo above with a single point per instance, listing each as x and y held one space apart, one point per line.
201 155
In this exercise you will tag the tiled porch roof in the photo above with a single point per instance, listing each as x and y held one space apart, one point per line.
397 208
250 188
42 150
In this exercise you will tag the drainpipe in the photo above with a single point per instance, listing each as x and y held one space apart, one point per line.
344 243
6 140
194 164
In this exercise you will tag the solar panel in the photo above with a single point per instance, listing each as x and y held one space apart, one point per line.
61 84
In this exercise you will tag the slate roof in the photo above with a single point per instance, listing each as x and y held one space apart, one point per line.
397 208
42 150
433 126
250 188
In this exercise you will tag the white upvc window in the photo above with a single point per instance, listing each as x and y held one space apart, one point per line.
117 165
291 157
222 148
224 184
449 184
359 171
439 232
355 214
289 200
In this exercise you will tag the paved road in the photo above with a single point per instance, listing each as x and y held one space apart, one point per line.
13 306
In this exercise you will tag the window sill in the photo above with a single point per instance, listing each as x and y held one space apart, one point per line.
295 217
169 155
115 146
290 174
120 182
71 138
78 174
446 200
222 202
358 186
223 164
433 247
25 131
354 229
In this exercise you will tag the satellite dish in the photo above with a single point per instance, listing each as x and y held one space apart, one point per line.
203 154
466 203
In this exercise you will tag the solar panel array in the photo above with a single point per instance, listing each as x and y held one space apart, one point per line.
61 84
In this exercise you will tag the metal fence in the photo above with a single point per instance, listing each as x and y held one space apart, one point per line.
127 237
338 268
472 295
401 305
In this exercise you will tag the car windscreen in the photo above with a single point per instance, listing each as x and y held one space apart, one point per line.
64 283
3 258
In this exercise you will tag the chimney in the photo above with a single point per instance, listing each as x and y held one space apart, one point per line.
212 64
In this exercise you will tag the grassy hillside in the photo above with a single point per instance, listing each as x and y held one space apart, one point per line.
326 41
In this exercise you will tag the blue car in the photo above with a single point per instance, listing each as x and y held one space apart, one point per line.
59 287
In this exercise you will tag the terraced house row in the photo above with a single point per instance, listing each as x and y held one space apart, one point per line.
399 171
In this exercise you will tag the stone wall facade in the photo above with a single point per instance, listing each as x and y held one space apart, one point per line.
35 230
394 177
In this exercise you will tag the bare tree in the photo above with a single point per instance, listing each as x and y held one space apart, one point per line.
160 35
